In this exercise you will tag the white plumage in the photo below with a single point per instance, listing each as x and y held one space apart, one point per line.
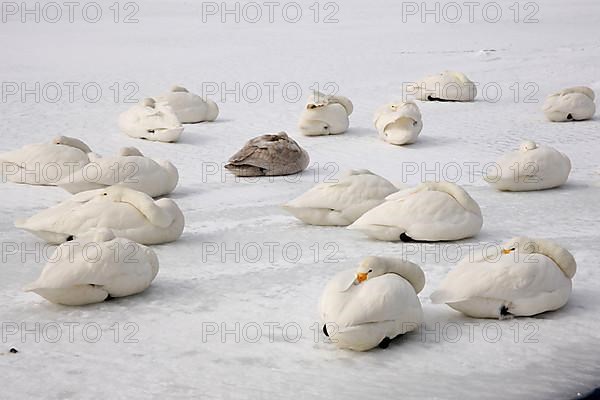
325 115
530 276
342 202
429 212
532 167
189 107
367 307
130 169
152 121
128 213
94 267
572 104
44 163
399 123
446 86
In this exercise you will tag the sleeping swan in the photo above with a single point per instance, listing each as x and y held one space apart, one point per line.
94 268
341 203
325 115
573 104
531 276
130 168
370 306
152 121
446 86
189 107
44 163
269 155
532 167
429 212
128 213
399 123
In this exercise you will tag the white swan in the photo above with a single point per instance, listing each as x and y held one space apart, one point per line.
573 104
130 168
532 167
128 213
269 155
429 212
44 163
341 203
399 123
152 121
530 277
189 107
95 267
325 115
446 86
367 307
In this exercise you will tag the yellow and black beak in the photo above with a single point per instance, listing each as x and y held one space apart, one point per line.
506 251
361 277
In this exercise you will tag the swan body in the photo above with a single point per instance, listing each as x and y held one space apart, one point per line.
189 107
95 267
531 276
572 104
152 121
429 212
269 155
128 213
399 123
343 202
325 115
532 167
367 307
130 168
446 86
45 163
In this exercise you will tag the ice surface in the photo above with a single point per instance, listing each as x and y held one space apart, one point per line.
369 54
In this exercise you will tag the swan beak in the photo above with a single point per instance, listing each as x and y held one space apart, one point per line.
361 277
506 251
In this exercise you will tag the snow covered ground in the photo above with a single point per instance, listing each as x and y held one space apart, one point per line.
180 338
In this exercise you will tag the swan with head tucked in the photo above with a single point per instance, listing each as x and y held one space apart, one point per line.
130 168
572 104
45 163
367 307
152 121
399 123
342 202
532 167
432 211
325 115
446 86
128 213
530 277
269 155
189 107
94 268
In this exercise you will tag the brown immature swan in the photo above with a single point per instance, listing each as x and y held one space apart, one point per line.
269 155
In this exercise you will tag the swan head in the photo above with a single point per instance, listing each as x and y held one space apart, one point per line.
372 267
561 256
528 145
71 142
369 268
130 151
178 89
148 102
